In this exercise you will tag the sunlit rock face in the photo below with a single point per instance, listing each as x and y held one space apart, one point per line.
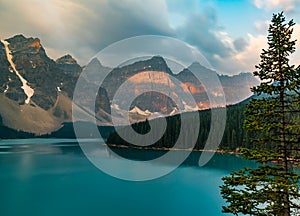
156 74
36 92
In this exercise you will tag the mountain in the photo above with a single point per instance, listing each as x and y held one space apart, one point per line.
69 65
164 94
234 136
152 74
36 92
94 72
236 88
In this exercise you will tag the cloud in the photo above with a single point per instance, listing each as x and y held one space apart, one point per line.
262 26
203 31
226 54
83 27
296 34
295 58
240 44
251 55
286 5
246 59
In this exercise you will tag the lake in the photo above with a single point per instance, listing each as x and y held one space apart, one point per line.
53 177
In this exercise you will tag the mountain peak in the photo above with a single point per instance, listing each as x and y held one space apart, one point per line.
23 44
69 65
156 63
158 58
18 37
197 66
95 61
66 59
95 67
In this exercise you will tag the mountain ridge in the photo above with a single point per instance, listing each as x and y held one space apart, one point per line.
48 104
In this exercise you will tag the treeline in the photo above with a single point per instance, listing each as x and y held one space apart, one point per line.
234 136
8 133
65 132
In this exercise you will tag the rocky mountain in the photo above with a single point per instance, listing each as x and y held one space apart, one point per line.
236 88
69 65
155 75
36 92
95 71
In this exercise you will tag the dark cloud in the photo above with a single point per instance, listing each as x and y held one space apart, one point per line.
84 27
240 44
203 31
120 20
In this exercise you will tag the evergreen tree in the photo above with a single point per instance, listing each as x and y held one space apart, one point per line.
272 118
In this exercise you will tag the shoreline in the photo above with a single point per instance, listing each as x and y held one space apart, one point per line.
221 151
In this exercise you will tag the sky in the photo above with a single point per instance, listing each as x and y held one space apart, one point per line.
229 33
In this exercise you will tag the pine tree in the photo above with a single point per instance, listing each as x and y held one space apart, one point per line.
273 120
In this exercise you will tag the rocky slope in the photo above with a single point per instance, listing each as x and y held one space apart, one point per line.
36 92
154 74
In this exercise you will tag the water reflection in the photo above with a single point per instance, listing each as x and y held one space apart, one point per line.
71 147
55 178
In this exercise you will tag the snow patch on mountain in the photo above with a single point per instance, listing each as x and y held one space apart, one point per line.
137 110
6 89
115 107
174 111
27 89
32 64
189 108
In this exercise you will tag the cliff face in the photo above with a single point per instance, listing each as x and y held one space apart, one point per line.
39 72
69 65
36 92
236 88
155 75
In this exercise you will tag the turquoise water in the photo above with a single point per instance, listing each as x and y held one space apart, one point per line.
53 177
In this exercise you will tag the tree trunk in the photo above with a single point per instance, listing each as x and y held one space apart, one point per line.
286 203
